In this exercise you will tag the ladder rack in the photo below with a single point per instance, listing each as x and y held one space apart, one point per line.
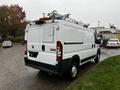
55 16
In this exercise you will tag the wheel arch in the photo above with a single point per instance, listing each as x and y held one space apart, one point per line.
76 59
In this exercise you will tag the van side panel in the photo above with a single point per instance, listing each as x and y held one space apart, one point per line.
77 41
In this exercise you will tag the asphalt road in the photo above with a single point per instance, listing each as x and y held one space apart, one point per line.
14 75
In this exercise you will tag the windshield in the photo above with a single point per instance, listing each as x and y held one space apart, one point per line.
113 40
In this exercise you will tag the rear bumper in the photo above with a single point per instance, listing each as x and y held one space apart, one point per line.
6 46
60 68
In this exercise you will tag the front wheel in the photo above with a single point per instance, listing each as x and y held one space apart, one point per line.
97 58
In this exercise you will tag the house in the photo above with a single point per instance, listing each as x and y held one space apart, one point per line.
107 33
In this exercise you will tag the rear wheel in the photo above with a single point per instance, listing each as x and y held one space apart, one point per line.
73 70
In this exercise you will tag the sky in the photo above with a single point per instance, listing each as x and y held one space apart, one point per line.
87 11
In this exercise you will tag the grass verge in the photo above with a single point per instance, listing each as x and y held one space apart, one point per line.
104 76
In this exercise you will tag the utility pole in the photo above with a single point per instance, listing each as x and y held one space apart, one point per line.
98 23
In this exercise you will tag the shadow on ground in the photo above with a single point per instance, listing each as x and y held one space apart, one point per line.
36 80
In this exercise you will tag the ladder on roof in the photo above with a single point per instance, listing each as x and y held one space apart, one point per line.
54 15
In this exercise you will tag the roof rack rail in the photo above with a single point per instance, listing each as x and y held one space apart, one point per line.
55 16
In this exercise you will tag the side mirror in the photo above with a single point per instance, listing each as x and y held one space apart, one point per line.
98 41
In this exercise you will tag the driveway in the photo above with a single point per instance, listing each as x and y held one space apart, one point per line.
14 75
108 52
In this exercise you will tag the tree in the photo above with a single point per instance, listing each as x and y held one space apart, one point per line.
12 19
3 19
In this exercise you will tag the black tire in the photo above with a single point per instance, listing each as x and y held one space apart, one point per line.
73 71
97 58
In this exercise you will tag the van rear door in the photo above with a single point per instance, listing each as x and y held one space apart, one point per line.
41 43
48 34
34 38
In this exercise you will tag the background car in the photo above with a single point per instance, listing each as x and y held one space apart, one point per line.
113 43
7 44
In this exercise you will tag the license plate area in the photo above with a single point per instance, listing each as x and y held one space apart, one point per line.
33 54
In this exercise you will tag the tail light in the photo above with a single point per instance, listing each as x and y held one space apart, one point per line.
59 51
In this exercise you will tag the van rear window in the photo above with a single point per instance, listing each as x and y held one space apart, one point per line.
48 34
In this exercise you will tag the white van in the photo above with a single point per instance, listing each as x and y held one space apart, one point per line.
59 46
